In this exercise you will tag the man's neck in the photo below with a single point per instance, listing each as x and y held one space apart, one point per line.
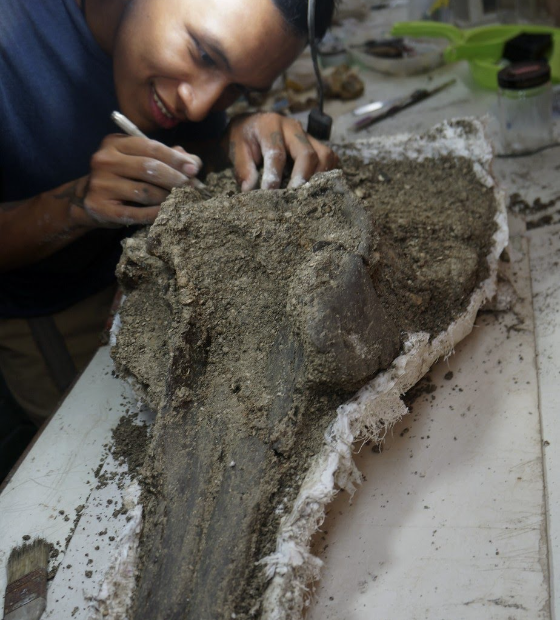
103 18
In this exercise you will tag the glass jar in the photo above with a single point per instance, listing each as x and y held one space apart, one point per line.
525 106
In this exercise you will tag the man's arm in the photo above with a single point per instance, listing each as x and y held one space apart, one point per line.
130 177
34 228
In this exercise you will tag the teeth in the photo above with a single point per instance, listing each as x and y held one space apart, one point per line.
160 105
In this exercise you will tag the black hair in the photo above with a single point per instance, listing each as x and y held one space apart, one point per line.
295 14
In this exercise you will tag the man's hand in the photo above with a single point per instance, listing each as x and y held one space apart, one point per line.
270 139
130 177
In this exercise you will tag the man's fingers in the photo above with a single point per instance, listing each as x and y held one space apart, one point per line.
105 200
154 172
305 158
139 171
274 159
310 156
137 168
273 138
144 194
328 159
115 214
243 160
176 157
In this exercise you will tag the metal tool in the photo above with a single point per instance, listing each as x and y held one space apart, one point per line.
401 103
374 106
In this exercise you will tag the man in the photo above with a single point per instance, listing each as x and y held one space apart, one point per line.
72 188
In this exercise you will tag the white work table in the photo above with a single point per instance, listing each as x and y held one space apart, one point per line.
459 514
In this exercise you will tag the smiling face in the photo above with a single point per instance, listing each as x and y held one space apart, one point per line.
177 60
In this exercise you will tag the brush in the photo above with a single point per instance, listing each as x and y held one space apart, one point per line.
26 592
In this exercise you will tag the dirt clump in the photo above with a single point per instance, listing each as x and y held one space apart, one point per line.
249 318
129 444
434 221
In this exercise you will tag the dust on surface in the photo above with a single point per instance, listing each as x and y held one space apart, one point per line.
517 204
129 444
537 214
249 318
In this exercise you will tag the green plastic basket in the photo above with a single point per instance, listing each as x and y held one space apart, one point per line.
482 46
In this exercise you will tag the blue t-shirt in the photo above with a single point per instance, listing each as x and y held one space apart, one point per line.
56 98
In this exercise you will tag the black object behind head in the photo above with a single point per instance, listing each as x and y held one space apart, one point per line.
319 124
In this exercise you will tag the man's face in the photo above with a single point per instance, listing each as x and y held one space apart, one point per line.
176 60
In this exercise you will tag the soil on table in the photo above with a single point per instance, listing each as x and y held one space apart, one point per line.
249 318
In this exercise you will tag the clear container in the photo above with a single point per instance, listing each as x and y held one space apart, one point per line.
525 107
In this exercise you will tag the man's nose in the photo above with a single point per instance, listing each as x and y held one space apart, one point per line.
200 97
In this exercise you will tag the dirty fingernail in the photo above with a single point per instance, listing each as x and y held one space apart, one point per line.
191 169
270 180
296 182
194 159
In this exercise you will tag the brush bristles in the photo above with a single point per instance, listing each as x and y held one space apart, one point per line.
27 558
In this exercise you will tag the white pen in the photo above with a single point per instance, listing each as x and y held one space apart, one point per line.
126 125
130 128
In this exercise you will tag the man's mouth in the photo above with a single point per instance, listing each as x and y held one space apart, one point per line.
161 105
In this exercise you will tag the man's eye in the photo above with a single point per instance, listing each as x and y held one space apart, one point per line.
205 58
